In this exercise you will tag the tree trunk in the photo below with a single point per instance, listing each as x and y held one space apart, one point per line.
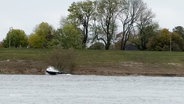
107 46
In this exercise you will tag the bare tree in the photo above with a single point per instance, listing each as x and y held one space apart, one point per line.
129 14
146 28
107 12
132 15
81 13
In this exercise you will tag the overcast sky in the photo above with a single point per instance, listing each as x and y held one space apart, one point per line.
26 14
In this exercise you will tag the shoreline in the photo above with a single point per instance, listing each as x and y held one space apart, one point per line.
110 75
27 67
129 74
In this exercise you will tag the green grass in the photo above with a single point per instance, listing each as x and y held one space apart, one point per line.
91 57
24 54
98 61
131 56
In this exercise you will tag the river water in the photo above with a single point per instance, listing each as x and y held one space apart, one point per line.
70 89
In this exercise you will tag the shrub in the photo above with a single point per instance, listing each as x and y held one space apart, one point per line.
97 46
63 60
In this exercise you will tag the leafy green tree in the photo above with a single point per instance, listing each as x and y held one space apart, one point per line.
177 42
165 41
42 36
145 33
15 38
179 30
161 41
71 37
57 40
36 41
81 13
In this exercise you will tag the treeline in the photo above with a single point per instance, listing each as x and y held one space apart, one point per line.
102 24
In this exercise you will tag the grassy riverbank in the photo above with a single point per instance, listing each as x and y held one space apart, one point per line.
33 61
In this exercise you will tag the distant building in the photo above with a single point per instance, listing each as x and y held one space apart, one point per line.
131 47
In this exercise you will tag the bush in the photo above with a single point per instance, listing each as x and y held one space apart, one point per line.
63 60
1 44
97 46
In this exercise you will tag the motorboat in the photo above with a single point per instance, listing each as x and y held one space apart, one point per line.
52 71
